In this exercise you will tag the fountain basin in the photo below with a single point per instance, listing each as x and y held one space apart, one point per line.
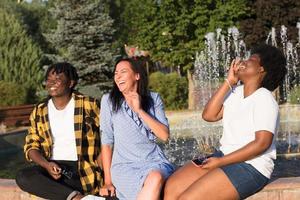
280 189
187 129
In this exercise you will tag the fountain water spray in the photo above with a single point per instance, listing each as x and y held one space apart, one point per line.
191 136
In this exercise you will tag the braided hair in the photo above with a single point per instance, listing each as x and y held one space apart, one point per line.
66 68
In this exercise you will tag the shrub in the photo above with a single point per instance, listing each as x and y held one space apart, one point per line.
12 94
172 88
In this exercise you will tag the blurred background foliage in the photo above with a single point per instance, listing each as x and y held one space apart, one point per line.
90 34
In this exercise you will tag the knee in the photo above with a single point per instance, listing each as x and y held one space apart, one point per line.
25 178
155 177
22 179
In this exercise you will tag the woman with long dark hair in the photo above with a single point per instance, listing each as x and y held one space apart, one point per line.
132 118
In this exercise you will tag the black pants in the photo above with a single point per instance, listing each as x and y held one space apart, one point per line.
37 181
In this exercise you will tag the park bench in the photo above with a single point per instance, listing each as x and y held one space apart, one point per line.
15 115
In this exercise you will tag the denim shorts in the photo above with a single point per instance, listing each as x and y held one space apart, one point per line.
245 178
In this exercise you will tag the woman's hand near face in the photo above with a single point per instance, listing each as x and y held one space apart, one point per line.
133 100
232 76
213 110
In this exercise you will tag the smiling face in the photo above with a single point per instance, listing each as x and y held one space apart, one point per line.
251 68
125 78
58 85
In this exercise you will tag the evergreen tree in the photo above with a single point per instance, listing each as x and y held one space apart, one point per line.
36 20
19 56
84 37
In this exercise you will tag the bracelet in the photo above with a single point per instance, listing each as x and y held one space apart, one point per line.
227 81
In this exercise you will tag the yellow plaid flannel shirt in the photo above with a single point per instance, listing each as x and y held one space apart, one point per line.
86 124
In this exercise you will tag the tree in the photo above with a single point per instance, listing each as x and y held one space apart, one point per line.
37 20
19 56
83 37
173 30
268 14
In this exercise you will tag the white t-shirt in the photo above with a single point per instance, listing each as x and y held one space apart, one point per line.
63 133
242 117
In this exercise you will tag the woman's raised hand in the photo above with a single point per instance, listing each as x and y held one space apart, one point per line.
133 100
232 76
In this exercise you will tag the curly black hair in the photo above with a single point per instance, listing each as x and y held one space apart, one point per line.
66 68
274 63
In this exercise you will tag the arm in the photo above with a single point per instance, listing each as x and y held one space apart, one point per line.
159 129
213 110
265 123
106 160
32 148
263 140
99 161
107 139
96 115
32 138
53 169
96 108
36 157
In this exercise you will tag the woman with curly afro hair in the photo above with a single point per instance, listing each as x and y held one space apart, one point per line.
249 112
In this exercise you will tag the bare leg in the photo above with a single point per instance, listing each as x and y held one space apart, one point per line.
152 186
215 185
183 178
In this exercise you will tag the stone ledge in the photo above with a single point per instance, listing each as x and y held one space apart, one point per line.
280 189
10 191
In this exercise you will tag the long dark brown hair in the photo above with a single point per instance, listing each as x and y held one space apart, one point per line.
138 66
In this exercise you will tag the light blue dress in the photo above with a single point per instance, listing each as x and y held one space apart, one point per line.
135 152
